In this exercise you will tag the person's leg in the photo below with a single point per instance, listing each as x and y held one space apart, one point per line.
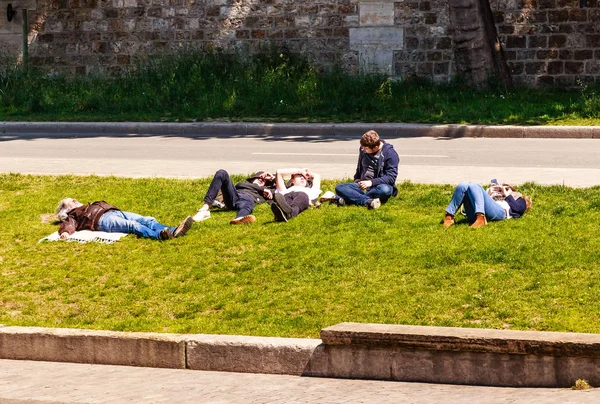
351 193
483 203
222 182
383 192
244 205
298 201
457 198
117 221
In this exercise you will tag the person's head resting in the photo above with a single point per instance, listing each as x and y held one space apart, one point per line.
262 179
528 203
65 205
370 142
299 180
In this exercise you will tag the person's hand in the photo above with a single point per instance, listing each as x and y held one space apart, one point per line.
64 235
365 184
268 194
306 173
268 176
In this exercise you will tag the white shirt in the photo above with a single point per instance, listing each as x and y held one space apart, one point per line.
504 205
312 193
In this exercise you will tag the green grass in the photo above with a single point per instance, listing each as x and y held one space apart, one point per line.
274 87
393 265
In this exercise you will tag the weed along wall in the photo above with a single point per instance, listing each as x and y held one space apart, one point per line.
554 42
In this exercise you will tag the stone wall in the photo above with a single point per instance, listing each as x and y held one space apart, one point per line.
555 42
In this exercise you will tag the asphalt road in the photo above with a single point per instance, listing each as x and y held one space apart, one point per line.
572 162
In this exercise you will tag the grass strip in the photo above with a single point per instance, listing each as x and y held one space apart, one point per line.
276 87
396 264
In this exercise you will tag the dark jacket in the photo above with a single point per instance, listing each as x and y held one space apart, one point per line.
85 217
517 206
387 168
254 190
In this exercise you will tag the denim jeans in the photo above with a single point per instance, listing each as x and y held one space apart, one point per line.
117 221
233 199
475 200
352 193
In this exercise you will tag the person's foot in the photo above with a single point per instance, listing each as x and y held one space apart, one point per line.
373 203
339 201
480 221
201 215
448 220
218 205
327 197
279 214
243 220
183 227
165 234
283 205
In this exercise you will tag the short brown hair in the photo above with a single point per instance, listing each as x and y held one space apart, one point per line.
370 139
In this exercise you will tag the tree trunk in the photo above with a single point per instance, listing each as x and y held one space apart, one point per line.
477 49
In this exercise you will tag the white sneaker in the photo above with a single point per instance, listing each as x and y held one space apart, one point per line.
327 196
374 204
201 215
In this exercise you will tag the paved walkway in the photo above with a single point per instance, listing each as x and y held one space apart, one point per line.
37 382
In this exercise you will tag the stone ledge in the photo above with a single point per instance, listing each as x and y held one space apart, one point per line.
90 346
464 339
387 130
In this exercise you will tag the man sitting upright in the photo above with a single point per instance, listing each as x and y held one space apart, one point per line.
375 177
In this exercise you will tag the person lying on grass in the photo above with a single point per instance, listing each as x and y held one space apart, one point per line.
101 216
375 177
498 203
303 188
241 197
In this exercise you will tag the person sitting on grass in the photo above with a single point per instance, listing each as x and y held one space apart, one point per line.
241 197
101 216
375 177
303 188
498 203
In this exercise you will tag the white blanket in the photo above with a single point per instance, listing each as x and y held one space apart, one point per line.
85 236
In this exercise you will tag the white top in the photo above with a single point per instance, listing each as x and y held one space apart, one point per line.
313 193
504 205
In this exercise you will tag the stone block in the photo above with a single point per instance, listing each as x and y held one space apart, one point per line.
383 37
249 354
96 347
376 14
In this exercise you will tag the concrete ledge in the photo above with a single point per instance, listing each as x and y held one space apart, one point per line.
236 129
459 355
89 346
233 353
347 350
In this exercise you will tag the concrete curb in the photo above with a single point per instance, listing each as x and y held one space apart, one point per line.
239 129
347 350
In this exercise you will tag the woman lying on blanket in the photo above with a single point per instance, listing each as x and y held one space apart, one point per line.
101 216
303 188
498 203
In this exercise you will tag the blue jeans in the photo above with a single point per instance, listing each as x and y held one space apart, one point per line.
117 221
352 193
233 199
476 200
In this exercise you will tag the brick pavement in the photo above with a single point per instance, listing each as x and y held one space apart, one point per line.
45 382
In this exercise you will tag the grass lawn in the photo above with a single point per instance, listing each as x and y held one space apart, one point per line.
393 265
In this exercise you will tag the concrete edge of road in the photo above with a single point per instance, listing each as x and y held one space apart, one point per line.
346 350
389 130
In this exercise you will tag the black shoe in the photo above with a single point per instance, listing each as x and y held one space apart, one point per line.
339 201
280 215
283 205
183 227
165 234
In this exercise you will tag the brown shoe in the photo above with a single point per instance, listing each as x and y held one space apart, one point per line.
243 220
479 222
183 227
448 220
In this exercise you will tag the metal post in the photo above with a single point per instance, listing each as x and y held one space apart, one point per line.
25 36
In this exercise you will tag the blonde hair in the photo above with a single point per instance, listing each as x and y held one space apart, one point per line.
528 202
61 209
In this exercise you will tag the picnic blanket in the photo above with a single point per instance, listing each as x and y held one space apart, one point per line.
86 236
